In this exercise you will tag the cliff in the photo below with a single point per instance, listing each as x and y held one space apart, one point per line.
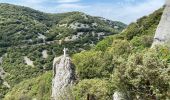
162 35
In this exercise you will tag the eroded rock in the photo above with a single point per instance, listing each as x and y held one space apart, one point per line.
119 96
45 54
28 61
64 77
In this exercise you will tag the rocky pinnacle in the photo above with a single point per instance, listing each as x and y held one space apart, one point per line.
63 77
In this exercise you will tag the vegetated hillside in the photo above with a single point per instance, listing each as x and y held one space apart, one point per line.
123 62
30 39
21 25
126 61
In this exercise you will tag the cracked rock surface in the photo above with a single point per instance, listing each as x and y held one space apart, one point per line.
64 76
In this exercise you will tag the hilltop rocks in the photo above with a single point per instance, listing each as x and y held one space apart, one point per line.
2 72
3 75
162 35
28 61
45 54
64 77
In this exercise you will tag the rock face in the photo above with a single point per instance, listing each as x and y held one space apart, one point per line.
45 54
64 77
28 61
2 72
162 35
119 96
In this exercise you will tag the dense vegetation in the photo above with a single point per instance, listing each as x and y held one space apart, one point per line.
126 61
21 25
34 88
123 62
25 32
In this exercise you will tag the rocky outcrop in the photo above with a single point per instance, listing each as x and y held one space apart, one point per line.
162 35
2 72
45 54
119 96
28 61
64 77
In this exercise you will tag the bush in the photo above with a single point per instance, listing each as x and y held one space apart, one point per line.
39 88
88 64
96 88
144 75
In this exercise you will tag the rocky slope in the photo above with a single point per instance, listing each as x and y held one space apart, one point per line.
162 35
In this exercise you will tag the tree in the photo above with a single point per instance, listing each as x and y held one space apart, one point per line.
145 75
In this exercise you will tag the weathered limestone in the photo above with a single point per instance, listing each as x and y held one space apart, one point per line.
28 61
2 72
64 77
162 35
45 54
119 96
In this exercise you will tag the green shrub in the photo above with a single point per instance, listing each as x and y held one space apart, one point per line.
39 88
99 89
144 75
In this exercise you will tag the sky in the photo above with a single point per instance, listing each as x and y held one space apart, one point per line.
126 11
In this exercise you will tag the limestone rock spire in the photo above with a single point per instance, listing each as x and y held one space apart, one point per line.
63 77
162 35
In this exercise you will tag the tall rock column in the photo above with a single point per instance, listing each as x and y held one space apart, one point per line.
64 77
162 35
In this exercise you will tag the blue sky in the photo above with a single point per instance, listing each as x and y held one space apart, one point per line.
126 11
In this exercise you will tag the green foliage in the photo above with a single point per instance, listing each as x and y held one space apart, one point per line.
137 71
132 30
100 89
124 58
140 43
144 75
104 44
90 65
35 88
20 35
144 26
22 25
120 47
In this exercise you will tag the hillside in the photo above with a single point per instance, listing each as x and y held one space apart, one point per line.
30 39
126 61
21 26
123 62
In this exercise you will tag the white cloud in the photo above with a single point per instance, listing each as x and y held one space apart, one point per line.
33 1
67 1
125 12
66 6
